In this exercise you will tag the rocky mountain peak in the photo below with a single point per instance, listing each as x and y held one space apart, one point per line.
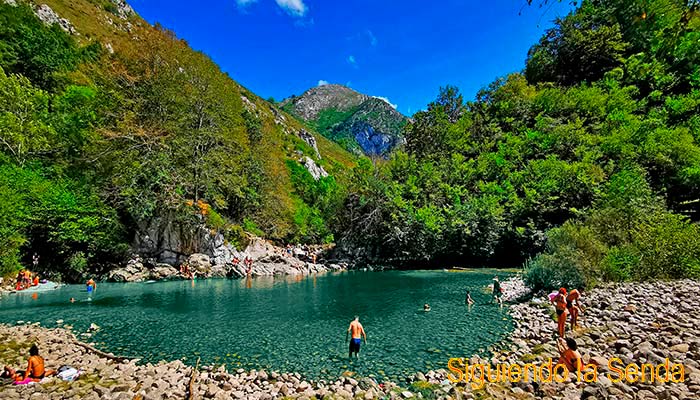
331 96
361 123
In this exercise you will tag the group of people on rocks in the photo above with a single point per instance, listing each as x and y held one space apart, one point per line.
567 304
247 262
26 279
185 271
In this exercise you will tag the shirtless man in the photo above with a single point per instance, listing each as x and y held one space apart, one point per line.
358 333
35 369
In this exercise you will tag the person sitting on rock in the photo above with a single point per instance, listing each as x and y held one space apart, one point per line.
35 369
559 302
569 355
573 306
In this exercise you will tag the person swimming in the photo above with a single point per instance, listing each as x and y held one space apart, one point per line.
35 369
426 307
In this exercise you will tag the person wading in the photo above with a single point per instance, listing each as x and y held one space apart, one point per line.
497 290
357 333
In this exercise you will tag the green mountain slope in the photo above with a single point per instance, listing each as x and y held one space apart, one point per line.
110 125
361 123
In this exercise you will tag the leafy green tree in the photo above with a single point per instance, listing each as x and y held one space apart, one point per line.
581 47
24 128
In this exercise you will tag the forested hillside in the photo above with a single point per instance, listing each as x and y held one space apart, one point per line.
111 128
591 156
585 166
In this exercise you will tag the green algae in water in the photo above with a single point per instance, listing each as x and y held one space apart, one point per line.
289 324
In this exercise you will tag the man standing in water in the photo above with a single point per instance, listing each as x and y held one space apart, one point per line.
90 285
357 332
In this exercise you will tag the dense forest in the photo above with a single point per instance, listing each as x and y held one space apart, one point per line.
590 158
102 132
583 167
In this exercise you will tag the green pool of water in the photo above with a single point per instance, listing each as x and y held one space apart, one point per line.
289 324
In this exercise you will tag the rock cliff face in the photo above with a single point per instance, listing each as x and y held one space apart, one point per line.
221 260
309 105
361 123
49 17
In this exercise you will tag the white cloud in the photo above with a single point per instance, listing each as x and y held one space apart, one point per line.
386 100
296 8
321 82
352 61
243 3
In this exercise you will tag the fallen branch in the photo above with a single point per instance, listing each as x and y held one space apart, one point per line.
190 387
102 353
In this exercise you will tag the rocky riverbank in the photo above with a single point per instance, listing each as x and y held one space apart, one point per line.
266 260
107 379
637 323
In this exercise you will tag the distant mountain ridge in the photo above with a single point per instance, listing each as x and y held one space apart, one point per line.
361 123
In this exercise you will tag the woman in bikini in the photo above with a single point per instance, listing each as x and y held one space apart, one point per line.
560 306
35 369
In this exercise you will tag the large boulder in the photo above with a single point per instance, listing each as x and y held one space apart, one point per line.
218 271
199 263
316 171
134 271
164 271
310 140
49 17
167 241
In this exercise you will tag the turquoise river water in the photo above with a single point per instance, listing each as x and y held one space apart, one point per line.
288 324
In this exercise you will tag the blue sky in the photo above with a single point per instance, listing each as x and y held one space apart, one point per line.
401 50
